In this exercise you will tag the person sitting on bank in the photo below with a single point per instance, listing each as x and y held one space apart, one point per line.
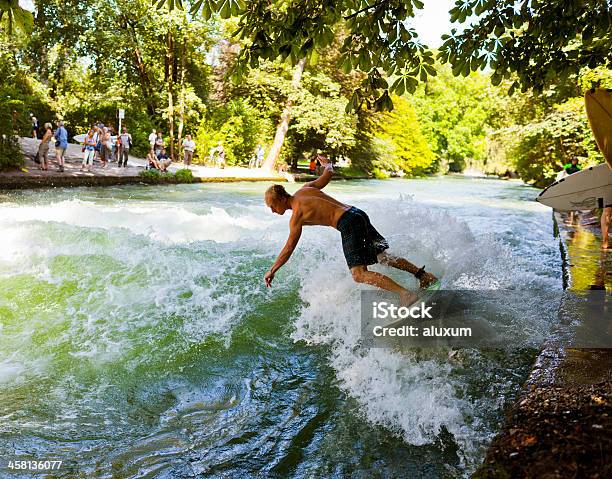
163 160
572 167
152 160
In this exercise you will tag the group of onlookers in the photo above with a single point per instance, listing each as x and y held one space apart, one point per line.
157 157
101 143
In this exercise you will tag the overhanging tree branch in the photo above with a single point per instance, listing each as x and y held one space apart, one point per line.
364 9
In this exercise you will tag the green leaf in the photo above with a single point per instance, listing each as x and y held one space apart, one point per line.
314 57
401 87
195 8
346 65
226 10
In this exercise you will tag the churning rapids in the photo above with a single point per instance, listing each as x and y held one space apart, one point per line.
137 338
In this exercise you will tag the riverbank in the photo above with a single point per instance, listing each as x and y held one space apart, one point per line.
30 176
561 425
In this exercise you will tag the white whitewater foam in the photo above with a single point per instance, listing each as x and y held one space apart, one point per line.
414 397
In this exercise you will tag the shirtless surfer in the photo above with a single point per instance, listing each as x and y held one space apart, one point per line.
362 244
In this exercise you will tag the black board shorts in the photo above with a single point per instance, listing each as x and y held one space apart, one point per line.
361 242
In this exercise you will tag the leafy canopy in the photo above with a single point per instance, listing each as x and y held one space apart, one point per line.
539 41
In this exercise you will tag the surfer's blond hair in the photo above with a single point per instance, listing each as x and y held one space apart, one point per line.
276 193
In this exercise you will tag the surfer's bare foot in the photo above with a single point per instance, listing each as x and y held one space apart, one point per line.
426 280
407 298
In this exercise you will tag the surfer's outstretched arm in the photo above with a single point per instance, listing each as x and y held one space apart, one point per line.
322 181
295 232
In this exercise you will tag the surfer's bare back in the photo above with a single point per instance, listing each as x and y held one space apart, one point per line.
362 244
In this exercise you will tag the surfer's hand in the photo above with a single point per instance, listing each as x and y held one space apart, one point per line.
323 160
268 277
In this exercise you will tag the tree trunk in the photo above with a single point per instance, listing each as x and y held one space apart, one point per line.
42 62
170 87
63 61
283 126
182 100
143 76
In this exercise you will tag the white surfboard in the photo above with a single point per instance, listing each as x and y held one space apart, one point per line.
81 138
585 190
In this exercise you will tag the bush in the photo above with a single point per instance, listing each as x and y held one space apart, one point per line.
542 148
184 176
237 125
156 176
11 155
152 176
21 96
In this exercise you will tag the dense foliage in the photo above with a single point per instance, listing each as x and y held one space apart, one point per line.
534 43
178 72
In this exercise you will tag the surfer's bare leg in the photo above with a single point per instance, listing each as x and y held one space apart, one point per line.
606 218
362 275
398 262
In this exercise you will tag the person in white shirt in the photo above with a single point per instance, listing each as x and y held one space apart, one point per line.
189 146
152 138
260 156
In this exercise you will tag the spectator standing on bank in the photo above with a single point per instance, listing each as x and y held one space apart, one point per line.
152 138
189 147
260 156
34 127
118 149
125 140
89 146
312 167
159 143
43 148
97 133
113 144
106 147
221 155
61 143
